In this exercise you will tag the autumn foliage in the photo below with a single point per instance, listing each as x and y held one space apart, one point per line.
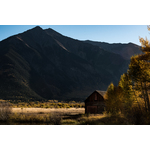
131 96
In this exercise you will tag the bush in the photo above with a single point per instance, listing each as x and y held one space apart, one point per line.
55 119
5 111
67 106
137 116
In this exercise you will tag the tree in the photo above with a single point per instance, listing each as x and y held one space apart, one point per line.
113 99
127 92
139 71
133 85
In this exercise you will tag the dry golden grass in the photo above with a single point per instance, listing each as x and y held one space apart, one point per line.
59 116
43 116
49 110
72 116
5 110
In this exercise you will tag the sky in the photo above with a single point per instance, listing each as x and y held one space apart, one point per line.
102 33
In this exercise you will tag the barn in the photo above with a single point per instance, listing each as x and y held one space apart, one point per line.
95 103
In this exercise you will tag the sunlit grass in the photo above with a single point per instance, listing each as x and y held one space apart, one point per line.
46 104
32 114
69 122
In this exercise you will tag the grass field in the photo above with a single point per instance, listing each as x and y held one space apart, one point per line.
12 115
55 116
60 116
48 110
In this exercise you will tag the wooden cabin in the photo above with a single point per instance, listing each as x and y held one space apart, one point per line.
95 103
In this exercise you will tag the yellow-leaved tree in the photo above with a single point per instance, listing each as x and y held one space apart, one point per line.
139 71
113 99
127 93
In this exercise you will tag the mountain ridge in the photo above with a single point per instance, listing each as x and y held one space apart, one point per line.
126 50
43 64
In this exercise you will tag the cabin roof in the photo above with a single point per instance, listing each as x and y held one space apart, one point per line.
101 92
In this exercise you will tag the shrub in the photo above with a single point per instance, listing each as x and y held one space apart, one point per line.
137 116
69 122
47 106
57 107
55 118
88 114
5 111
67 106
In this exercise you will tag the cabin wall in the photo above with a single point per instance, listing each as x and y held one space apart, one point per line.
99 107
94 103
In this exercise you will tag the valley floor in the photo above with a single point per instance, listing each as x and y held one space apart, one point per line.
60 116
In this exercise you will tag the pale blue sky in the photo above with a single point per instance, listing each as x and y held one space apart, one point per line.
103 33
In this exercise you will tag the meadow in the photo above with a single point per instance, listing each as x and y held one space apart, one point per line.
53 113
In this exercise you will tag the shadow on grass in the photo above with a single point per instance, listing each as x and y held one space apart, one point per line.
25 122
75 117
111 120
68 119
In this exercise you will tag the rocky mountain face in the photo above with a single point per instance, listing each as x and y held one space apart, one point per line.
43 64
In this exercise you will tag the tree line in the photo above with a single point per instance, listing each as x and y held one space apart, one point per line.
132 91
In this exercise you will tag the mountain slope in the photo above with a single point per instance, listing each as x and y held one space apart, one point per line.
124 50
43 64
103 60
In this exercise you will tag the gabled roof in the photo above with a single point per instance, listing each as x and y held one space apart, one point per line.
101 92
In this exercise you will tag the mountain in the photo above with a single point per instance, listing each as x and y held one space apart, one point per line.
43 64
125 50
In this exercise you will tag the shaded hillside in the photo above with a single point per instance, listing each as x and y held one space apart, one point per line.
106 63
43 64
125 50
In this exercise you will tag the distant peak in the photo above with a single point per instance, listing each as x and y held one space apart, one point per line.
130 43
35 31
50 29
52 32
37 28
